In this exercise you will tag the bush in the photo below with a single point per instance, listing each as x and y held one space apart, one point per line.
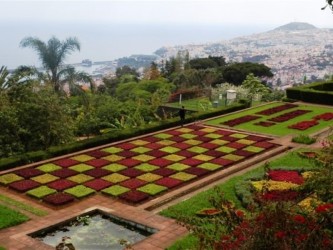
303 139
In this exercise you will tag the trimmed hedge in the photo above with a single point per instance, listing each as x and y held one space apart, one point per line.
319 92
117 135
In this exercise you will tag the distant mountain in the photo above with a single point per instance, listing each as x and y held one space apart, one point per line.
296 26
296 52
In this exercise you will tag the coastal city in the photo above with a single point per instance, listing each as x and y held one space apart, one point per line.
296 53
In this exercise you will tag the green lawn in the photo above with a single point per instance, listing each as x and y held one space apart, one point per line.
198 104
279 129
8 201
189 207
10 217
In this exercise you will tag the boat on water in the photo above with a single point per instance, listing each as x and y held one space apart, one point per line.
86 63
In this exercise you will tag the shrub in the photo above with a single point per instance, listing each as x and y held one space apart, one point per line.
303 139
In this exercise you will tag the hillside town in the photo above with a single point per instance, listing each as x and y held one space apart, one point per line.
296 52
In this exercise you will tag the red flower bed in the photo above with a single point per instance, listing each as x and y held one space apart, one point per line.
264 144
326 116
150 139
236 145
64 173
222 162
290 115
127 153
97 154
286 175
134 196
265 124
157 153
168 182
240 120
164 171
61 184
97 172
133 183
98 184
126 146
209 145
131 172
182 145
275 195
244 153
186 153
160 162
154 145
66 162
58 199
202 138
230 138
177 139
197 171
28 172
24 185
97 163
129 162
215 153
256 138
303 125
191 162
277 109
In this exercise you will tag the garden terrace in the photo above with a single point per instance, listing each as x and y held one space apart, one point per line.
280 123
140 169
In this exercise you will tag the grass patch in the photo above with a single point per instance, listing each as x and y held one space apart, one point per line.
9 201
291 160
10 217
279 129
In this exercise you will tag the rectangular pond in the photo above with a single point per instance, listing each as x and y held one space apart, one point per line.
96 230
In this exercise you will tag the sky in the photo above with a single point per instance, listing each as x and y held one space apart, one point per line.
110 29
254 12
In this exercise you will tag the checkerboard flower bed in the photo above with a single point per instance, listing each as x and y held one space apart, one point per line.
140 169
240 120
272 111
290 115
326 116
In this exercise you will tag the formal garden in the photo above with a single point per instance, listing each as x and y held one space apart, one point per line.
229 178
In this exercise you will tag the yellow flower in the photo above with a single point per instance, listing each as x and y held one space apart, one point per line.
271 185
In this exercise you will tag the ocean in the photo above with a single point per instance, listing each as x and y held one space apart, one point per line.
108 41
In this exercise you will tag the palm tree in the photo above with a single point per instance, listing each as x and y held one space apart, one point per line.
70 76
52 55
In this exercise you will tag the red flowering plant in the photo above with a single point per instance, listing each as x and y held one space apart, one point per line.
271 225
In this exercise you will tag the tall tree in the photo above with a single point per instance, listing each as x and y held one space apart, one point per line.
52 55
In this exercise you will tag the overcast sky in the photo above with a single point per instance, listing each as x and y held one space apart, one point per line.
249 12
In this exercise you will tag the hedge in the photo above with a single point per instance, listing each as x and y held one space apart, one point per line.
318 92
114 136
